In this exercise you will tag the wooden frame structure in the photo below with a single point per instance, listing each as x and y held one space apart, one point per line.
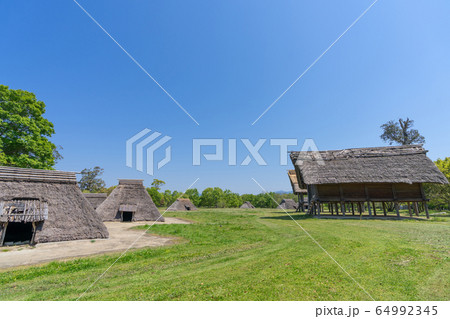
356 181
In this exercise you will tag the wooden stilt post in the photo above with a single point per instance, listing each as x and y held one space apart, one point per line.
368 207
318 208
353 209
343 208
425 206
374 209
384 209
416 209
409 209
397 209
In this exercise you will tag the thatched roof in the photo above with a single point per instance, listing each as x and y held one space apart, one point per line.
294 183
288 203
36 175
51 199
95 199
182 204
130 196
393 164
247 205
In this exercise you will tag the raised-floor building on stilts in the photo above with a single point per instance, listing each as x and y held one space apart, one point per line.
360 180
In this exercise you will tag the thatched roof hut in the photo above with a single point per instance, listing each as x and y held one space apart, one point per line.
288 203
38 206
95 199
129 201
377 174
181 204
247 205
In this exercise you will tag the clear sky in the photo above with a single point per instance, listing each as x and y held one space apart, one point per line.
225 62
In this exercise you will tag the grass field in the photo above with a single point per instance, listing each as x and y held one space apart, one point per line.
233 254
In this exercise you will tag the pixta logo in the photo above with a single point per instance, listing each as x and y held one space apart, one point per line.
309 150
145 144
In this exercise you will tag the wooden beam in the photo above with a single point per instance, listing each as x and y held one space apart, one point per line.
353 209
374 209
409 209
384 209
397 209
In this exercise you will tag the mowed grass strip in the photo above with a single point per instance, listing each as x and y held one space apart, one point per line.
233 254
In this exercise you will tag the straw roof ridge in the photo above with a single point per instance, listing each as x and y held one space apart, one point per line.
36 175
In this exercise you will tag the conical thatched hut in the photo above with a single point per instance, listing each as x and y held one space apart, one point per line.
181 204
355 179
129 202
247 205
38 206
95 199
287 203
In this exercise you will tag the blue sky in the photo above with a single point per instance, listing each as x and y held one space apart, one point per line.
225 62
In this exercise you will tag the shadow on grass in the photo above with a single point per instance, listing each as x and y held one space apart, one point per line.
302 216
294 215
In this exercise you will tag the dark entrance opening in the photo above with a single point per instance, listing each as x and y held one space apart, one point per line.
18 234
187 207
127 216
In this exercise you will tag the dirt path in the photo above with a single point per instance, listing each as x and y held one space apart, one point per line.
121 236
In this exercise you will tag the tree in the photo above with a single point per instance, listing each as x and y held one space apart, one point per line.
24 132
193 195
232 199
211 197
401 133
109 190
444 166
439 195
155 195
157 183
90 180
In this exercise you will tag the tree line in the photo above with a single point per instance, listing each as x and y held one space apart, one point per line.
92 182
217 198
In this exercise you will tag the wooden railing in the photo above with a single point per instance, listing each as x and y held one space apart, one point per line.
23 210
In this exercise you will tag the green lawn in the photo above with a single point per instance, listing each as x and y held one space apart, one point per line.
233 254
